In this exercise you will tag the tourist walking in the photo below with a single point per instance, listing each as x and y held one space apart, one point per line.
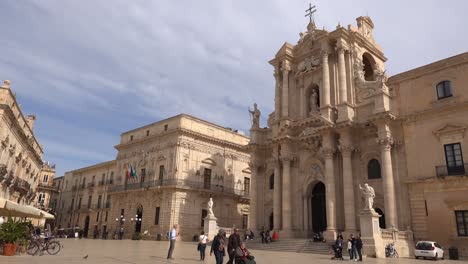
349 247
358 245
234 243
202 244
172 235
217 247
353 256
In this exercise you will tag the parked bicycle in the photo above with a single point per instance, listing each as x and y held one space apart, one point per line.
38 245
390 251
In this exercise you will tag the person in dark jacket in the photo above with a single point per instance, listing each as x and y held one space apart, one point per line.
358 245
234 243
218 245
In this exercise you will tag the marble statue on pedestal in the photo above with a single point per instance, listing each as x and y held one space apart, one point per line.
369 194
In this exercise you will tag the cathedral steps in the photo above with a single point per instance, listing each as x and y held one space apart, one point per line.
291 245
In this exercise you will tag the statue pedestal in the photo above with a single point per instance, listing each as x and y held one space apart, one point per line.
210 226
373 245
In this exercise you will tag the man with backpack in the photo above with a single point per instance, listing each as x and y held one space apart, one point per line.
233 244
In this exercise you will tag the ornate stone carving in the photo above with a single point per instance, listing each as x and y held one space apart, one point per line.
309 64
369 194
385 143
346 149
285 67
255 113
328 152
6 141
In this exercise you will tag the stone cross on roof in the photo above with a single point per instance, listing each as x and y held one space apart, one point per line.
310 13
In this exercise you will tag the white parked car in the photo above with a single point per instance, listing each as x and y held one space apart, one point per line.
428 249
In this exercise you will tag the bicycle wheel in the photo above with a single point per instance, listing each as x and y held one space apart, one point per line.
32 248
53 247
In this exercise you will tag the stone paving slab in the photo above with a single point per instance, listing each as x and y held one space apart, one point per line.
128 251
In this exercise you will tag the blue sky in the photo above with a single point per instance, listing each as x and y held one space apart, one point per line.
91 70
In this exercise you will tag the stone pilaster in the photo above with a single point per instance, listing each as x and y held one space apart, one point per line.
325 108
253 193
388 182
348 188
342 75
285 93
286 184
277 197
328 152
277 94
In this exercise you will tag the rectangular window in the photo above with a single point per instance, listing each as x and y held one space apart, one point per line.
156 215
72 204
105 219
108 202
99 201
161 172
454 159
246 185
79 203
97 217
207 178
89 201
462 222
131 138
122 211
143 174
245 219
165 127
147 132
46 178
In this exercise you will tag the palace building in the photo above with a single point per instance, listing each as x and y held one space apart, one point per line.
339 121
164 174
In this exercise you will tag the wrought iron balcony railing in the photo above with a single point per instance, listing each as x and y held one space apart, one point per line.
444 170
180 183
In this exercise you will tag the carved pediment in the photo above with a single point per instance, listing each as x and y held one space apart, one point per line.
450 129
161 158
247 170
209 161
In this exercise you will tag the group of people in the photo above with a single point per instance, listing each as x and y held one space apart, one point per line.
236 249
268 236
353 245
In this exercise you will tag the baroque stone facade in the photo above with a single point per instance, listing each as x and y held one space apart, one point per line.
340 122
20 152
164 174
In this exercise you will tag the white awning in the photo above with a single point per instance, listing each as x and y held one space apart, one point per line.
46 215
12 209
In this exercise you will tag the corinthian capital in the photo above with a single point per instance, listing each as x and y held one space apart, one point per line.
345 149
286 66
385 143
328 152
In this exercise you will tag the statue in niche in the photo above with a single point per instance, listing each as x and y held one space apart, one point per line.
369 194
313 100
210 207
255 116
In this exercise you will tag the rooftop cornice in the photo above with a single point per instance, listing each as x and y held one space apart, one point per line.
429 68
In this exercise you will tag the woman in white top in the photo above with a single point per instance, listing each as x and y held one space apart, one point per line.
202 244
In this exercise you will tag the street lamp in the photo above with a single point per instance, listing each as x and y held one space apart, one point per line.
121 221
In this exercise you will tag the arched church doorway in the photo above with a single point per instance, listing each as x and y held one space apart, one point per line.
381 218
138 219
319 213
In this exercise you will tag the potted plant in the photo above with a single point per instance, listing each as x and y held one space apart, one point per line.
11 232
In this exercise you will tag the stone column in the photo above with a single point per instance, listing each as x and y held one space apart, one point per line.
342 75
277 94
253 193
325 80
328 151
285 93
277 197
388 182
286 184
348 183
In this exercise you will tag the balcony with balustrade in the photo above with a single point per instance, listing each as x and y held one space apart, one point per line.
181 184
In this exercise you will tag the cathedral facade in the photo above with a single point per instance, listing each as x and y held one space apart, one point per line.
340 122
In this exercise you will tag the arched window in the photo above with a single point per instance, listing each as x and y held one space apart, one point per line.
369 63
272 181
373 169
444 90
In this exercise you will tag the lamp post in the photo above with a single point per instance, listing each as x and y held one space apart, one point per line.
121 221
136 221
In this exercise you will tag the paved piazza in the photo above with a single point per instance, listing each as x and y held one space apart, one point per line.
128 251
